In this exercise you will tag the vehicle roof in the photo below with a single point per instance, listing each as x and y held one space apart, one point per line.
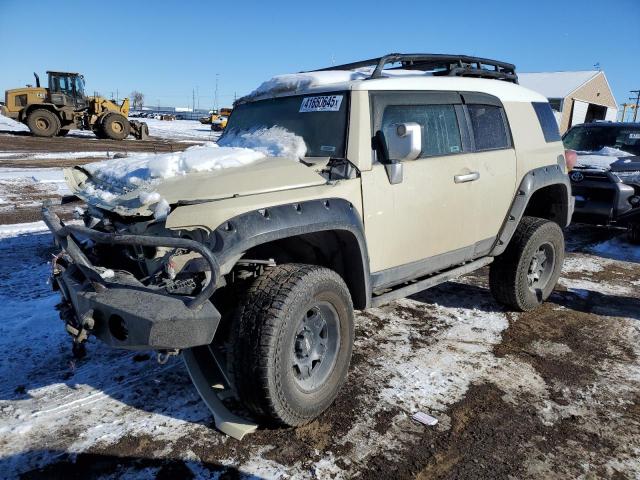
337 80
61 73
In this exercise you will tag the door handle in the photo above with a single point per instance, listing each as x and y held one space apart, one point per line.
467 177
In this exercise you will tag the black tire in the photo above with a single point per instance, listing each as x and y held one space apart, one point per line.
512 275
43 123
269 341
116 126
633 233
63 132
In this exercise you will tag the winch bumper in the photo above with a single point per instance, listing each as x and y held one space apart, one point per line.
119 309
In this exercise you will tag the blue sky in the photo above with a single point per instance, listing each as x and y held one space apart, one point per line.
167 48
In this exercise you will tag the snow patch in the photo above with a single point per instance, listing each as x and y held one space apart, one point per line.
273 142
602 158
11 125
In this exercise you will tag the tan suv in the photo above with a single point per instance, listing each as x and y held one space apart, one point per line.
408 171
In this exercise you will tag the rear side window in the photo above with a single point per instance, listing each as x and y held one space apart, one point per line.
489 128
439 125
547 121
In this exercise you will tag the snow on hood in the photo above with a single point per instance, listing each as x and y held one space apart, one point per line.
602 158
111 179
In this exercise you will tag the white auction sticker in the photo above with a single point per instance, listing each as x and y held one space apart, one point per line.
326 103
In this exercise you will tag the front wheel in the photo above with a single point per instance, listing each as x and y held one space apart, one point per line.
116 126
291 343
527 272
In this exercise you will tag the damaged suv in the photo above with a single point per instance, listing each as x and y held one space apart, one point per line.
331 190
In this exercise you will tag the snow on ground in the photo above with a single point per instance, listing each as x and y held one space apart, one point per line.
418 354
180 130
54 405
11 125
23 188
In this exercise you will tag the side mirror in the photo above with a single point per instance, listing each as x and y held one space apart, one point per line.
405 142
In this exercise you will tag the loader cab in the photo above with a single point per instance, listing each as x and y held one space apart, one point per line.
67 89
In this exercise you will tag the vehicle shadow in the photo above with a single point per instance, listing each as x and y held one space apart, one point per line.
459 295
590 301
68 466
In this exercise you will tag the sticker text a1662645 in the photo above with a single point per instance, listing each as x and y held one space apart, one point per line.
325 103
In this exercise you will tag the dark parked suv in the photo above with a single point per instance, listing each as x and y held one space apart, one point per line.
606 179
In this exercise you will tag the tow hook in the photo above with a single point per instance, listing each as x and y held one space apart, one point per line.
78 329
162 356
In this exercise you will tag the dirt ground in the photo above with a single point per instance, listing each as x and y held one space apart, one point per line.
553 393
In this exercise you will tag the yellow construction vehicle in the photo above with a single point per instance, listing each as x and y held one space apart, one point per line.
217 119
63 106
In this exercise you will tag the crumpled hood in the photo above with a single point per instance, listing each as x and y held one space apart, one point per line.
267 175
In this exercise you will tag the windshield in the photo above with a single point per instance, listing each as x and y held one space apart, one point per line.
595 138
321 120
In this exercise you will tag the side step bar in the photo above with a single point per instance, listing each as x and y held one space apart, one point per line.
429 282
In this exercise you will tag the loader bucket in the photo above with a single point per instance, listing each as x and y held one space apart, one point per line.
140 130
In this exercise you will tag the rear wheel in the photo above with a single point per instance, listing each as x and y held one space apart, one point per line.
116 126
43 123
291 343
634 233
527 272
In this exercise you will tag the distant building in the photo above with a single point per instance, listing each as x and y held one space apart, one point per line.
576 97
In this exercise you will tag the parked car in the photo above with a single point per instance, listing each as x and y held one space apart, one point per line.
411 178
606 178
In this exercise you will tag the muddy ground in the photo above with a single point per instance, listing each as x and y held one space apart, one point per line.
550 394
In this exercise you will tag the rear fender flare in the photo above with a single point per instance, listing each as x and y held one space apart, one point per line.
533 181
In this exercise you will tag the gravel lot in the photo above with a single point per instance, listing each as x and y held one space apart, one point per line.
553 393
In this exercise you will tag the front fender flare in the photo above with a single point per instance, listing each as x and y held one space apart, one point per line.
242 232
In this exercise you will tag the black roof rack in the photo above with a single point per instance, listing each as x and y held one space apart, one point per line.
439 64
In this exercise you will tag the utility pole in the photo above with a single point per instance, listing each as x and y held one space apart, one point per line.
193 100
117 96
215 101
637 102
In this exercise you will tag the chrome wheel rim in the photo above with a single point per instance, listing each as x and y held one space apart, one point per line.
541 267
315 346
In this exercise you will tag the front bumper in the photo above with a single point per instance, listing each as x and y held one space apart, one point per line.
119 309
601 198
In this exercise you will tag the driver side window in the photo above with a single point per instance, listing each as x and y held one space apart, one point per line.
438 124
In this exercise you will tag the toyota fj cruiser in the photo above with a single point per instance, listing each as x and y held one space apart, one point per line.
413 175
606 179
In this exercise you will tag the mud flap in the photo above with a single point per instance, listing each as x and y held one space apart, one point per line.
140 130
208 379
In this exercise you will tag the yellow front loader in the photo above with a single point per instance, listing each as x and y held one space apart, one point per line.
63 106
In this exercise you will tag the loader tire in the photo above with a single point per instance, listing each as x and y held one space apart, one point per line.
43 123
527 271
291 343
116 126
